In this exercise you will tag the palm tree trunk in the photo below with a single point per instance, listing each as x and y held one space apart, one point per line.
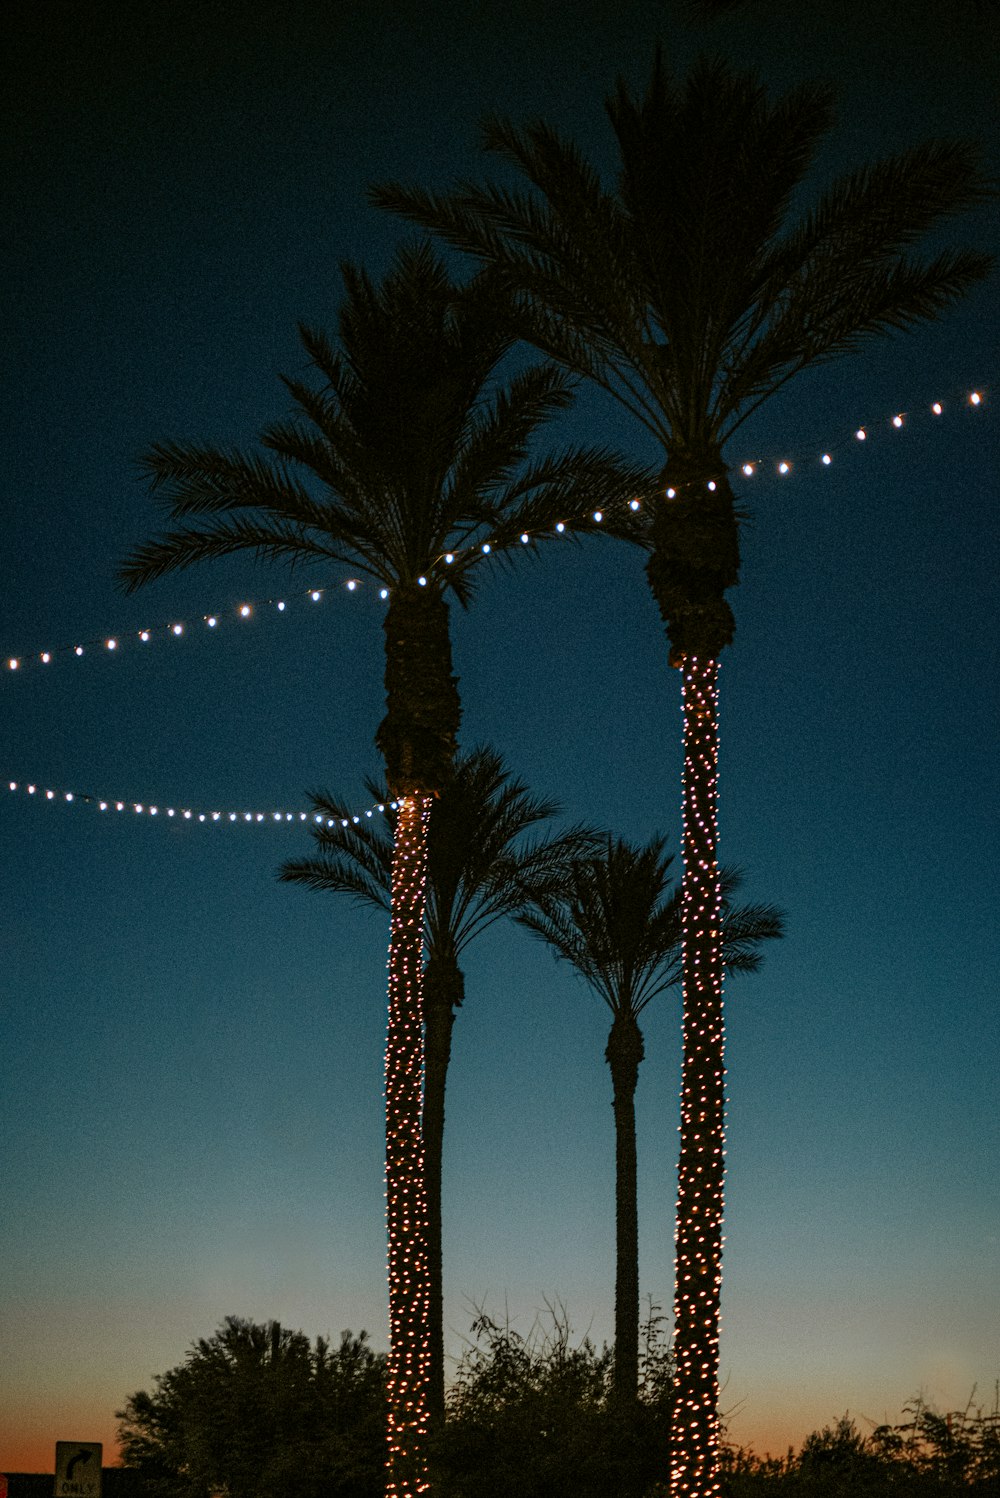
698 1275
406 1203
417 737
444 990
624 1052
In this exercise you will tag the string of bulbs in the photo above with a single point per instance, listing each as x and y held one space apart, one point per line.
112 643
187 814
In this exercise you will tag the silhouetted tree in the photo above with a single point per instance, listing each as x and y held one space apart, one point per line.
411 455
687 293
481 866
256 1410
617 921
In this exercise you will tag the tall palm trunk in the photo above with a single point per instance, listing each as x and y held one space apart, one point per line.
444 990
406 1202
694 1463
695 558
417 736
624 1052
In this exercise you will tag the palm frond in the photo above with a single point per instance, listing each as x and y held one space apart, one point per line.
617 920
274 541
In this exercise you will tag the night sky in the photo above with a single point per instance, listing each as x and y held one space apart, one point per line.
192 1052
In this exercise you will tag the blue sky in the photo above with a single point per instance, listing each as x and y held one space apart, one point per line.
193 1052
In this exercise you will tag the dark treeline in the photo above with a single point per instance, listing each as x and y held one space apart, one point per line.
257 1411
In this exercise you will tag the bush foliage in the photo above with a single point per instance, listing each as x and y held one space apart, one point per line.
536 1416
257 1411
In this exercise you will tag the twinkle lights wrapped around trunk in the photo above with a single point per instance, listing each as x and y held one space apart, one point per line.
694 1441
406 1202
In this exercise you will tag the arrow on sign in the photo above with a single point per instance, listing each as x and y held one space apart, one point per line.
74 1461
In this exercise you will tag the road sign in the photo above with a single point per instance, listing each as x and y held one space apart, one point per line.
78 1469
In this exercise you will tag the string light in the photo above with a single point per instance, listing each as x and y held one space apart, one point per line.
408 1371
103 803
750 468
694 1465
178 628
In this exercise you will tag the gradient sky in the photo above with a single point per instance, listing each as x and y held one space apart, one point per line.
193 1053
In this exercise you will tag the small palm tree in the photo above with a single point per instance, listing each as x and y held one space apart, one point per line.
410 465
481 866
617 921
688 293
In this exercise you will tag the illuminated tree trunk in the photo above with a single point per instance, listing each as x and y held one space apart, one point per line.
694 560
417 737
694 1463
406 1203
623 1054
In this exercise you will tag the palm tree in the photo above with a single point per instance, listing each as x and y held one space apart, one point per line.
688 293
409 465
481 866
617 920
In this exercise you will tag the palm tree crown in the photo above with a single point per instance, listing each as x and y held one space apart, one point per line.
410 465
480 865
688 293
